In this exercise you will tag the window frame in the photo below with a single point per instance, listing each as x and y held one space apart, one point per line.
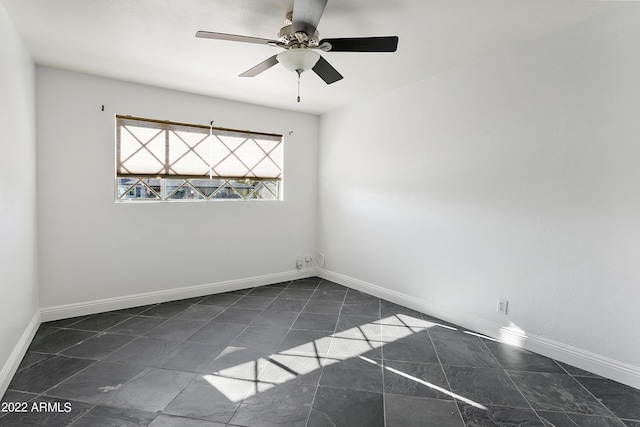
247 187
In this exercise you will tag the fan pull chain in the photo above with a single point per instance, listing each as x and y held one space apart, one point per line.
299 72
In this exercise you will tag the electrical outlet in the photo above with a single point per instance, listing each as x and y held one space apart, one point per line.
299 261
502 306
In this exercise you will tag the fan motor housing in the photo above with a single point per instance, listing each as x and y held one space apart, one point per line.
288 37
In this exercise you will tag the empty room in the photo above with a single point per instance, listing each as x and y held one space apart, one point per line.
258 213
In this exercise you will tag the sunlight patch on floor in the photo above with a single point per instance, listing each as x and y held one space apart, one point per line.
256 376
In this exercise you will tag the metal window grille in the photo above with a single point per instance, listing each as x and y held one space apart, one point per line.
160 160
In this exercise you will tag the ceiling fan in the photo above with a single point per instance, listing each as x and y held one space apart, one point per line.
300 39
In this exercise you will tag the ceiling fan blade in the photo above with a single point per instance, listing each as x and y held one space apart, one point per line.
326 71
263 66
234 38
361 44
306 15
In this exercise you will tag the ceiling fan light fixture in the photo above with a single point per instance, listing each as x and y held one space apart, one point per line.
298 59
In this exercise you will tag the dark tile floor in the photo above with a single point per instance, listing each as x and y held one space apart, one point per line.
302 353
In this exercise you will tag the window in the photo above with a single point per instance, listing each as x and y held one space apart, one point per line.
159 160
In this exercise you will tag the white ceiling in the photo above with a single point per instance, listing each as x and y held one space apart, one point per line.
153 41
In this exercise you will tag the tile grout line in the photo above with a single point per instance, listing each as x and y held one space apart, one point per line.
315 393
444 373
615 416
240 333
144 367
382 362
512 381
44 394
83 415
197 374
326 357
281 341
598 400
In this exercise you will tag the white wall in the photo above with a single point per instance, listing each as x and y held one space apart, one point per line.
18 274
516 176
92 248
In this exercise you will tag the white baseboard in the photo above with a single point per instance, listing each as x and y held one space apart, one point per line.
11 366
583 359
98 306
592 362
